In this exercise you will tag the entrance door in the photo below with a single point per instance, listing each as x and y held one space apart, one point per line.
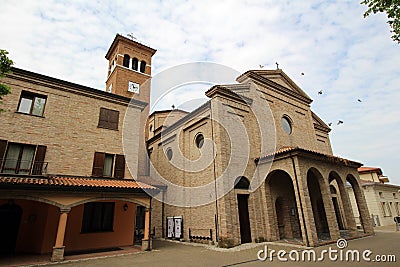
280 217
10 217
244 220
139 224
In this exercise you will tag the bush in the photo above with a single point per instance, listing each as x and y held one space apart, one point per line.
226 242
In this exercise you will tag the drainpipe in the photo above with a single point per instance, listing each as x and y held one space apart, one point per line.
149 241
215 178
163 213
301 204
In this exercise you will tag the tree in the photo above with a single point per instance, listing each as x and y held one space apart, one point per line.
5 68
391 8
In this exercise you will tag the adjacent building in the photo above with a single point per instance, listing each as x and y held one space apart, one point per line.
64 183
382 198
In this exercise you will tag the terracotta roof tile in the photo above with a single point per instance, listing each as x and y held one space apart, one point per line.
369 169
75 182
288 149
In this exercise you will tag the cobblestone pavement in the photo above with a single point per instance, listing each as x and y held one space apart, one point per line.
178 254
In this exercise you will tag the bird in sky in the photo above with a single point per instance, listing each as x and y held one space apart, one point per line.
261 66
339 122
173 106
320 92
330 124
302 73
359 100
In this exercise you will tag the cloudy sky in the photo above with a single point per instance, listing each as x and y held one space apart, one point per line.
339 52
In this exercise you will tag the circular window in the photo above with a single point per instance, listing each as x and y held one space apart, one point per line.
199 140
169 153
286 125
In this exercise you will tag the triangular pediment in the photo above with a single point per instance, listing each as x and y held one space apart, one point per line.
278 79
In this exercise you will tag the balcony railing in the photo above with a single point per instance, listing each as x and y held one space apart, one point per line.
25 167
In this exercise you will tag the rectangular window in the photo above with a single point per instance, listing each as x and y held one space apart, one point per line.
105 165
108 165
108 119
98 217
31 103
22 158
394 195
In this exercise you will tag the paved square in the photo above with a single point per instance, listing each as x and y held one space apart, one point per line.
178 254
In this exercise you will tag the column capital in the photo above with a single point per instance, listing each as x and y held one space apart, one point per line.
65 210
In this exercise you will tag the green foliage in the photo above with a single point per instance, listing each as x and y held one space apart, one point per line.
391 8
5 68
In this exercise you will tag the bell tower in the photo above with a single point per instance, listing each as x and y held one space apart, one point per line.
129 67
129 73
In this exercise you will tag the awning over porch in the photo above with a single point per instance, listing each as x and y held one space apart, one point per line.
74 183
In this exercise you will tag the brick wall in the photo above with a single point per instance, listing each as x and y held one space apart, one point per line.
69 124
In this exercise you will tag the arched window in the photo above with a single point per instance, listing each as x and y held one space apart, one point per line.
135 63
199 140
126 60
287 124
142 66
242 183
169 153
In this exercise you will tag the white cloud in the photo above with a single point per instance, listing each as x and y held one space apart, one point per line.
339 51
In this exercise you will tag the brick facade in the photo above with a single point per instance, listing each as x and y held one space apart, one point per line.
305 212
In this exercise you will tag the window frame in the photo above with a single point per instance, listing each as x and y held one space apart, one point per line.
143 65
126 61
88 222
169 154
117 168
37 165
289 121
135 64
199 140
106 121
31 96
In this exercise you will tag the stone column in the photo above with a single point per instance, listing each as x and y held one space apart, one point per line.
363 209
304 206
329 210
347 209
146 241
58 249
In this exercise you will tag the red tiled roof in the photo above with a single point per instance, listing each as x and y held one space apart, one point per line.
288 149
369 169
74 182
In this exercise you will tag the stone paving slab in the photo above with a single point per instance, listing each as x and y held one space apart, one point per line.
167 253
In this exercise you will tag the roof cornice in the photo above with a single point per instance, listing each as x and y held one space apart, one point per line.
223 91
119 38
58 84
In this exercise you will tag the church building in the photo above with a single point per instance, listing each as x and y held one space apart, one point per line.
254 163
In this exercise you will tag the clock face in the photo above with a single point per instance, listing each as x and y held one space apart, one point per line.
133 87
